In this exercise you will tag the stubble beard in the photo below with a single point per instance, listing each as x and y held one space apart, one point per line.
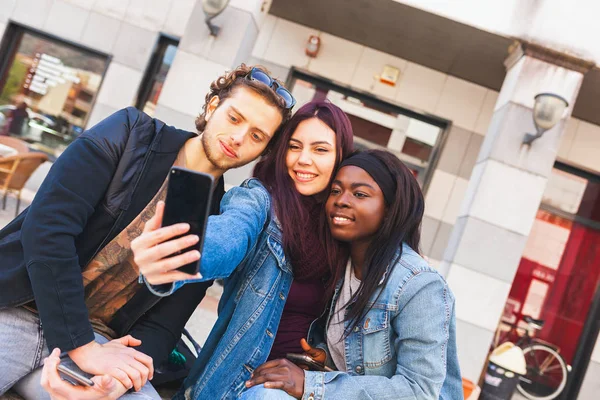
211 155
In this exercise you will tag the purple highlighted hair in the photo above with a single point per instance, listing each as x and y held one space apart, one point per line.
273 173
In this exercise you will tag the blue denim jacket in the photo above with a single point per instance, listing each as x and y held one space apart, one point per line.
404 348
244 245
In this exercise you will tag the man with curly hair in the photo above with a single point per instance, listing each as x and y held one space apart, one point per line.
67 276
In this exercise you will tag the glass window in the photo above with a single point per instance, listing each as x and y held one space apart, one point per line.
377 124
47 89
560 267
155 75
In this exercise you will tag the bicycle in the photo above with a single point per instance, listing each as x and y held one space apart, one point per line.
547 371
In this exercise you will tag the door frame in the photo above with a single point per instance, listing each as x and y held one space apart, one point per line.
591 327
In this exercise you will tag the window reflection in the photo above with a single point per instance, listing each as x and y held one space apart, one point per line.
560 268
55 84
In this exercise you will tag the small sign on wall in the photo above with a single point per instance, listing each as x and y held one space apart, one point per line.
390 75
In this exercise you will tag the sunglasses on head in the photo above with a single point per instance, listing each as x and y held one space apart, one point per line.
262 77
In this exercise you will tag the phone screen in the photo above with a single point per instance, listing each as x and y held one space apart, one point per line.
188 200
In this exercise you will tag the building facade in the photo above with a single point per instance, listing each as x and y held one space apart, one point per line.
447 86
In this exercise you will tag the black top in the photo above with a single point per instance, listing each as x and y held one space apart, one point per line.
102 181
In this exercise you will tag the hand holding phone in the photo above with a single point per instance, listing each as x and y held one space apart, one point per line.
189 195
70 382
306 360
74 376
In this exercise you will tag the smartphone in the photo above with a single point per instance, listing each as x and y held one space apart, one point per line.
189 195
303 359
76 376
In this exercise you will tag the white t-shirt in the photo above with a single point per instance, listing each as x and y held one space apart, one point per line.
335 329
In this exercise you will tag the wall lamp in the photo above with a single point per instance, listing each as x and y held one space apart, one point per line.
211 9
547 111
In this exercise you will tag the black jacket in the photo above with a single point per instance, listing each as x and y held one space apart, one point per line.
102 181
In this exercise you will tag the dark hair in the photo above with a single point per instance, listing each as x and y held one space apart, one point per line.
273 173
402 224
225 85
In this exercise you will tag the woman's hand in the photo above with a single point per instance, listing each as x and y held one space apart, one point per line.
152 250
318 355
279 374
105 386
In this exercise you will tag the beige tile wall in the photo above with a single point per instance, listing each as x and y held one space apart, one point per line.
112 8
420 87
86 4
337 59
101 32
32 12
178 17
286 44
438 193
66 21
190 100
491 293
148 14
7 9
120 85
460 102
368 68
134 45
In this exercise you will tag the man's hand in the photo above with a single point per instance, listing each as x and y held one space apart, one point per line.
117 359
279 374
151 250
105 386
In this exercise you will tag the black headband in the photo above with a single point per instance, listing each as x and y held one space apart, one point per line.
378 171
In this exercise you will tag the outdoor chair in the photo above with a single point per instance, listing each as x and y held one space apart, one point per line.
15 171
17 144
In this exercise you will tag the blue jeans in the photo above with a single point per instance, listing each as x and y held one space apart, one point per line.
260 393
22 351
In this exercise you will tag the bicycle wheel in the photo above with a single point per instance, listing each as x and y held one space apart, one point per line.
546 373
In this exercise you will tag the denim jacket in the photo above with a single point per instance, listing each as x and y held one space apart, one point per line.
404 348
244 245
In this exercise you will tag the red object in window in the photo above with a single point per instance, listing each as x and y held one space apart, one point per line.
572 284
